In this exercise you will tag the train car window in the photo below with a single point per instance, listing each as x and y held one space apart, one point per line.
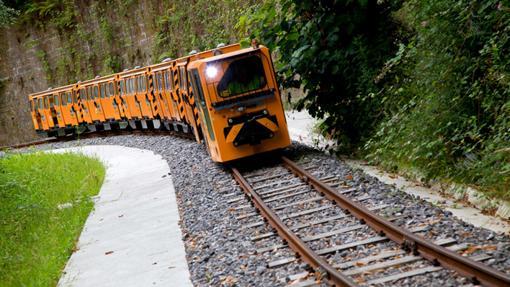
122 87
160 81
40 103
144 83
102 91
182 78
75 100
168 85
111 89
242 76
96 92
56 101
63 98
83 95
46 102
32 105
89 93
172 83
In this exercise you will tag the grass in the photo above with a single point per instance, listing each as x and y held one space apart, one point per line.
44 202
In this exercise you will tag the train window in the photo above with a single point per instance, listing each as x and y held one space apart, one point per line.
168 86
96 92
144 83
111 89
103 91
75 95
64 98
32 105
242 76
182 78
46 102
69 98
40 103
89 93
160 82
83 95
56 101
122 87
172 80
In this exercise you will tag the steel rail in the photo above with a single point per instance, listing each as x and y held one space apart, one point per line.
102 134
306 253
477 272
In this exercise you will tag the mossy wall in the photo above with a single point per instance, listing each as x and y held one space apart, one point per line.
56 42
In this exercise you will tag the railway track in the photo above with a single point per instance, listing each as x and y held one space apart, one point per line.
97 135
287 195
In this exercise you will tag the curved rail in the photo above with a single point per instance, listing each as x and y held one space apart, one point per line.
294 242
479 272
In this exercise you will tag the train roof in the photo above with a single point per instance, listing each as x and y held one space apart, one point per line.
232 50
51 91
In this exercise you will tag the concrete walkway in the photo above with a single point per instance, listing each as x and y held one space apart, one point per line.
132 237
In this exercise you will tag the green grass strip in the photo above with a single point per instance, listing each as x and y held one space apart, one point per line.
44 202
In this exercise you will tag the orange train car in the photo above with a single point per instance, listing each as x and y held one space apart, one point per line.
227 97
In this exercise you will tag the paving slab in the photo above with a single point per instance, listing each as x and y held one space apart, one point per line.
132 237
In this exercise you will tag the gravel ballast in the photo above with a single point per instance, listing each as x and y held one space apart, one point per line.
220 250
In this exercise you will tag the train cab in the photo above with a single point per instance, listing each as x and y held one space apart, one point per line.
239 103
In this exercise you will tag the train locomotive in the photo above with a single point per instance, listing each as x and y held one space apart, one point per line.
227 97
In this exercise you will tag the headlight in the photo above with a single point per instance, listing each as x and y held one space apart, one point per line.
211 71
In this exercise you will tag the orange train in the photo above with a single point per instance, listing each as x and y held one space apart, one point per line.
227 97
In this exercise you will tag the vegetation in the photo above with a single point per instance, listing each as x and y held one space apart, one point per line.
7 14
44 201
414 85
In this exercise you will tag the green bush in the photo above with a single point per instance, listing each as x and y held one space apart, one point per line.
418 85
333 50
449 90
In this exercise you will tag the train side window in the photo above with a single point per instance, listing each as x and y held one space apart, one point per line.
89 93
182 78
111 89
83 95
160 81
144 83
103 91
63 99
69 98
46 102
75 97
96 92
172 83
167 81
56 101
122 87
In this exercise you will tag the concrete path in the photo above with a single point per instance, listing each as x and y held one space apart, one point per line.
132 238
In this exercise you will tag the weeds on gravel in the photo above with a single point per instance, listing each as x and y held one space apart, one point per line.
44 201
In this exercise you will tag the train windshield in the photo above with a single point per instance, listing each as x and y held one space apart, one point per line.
242 76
